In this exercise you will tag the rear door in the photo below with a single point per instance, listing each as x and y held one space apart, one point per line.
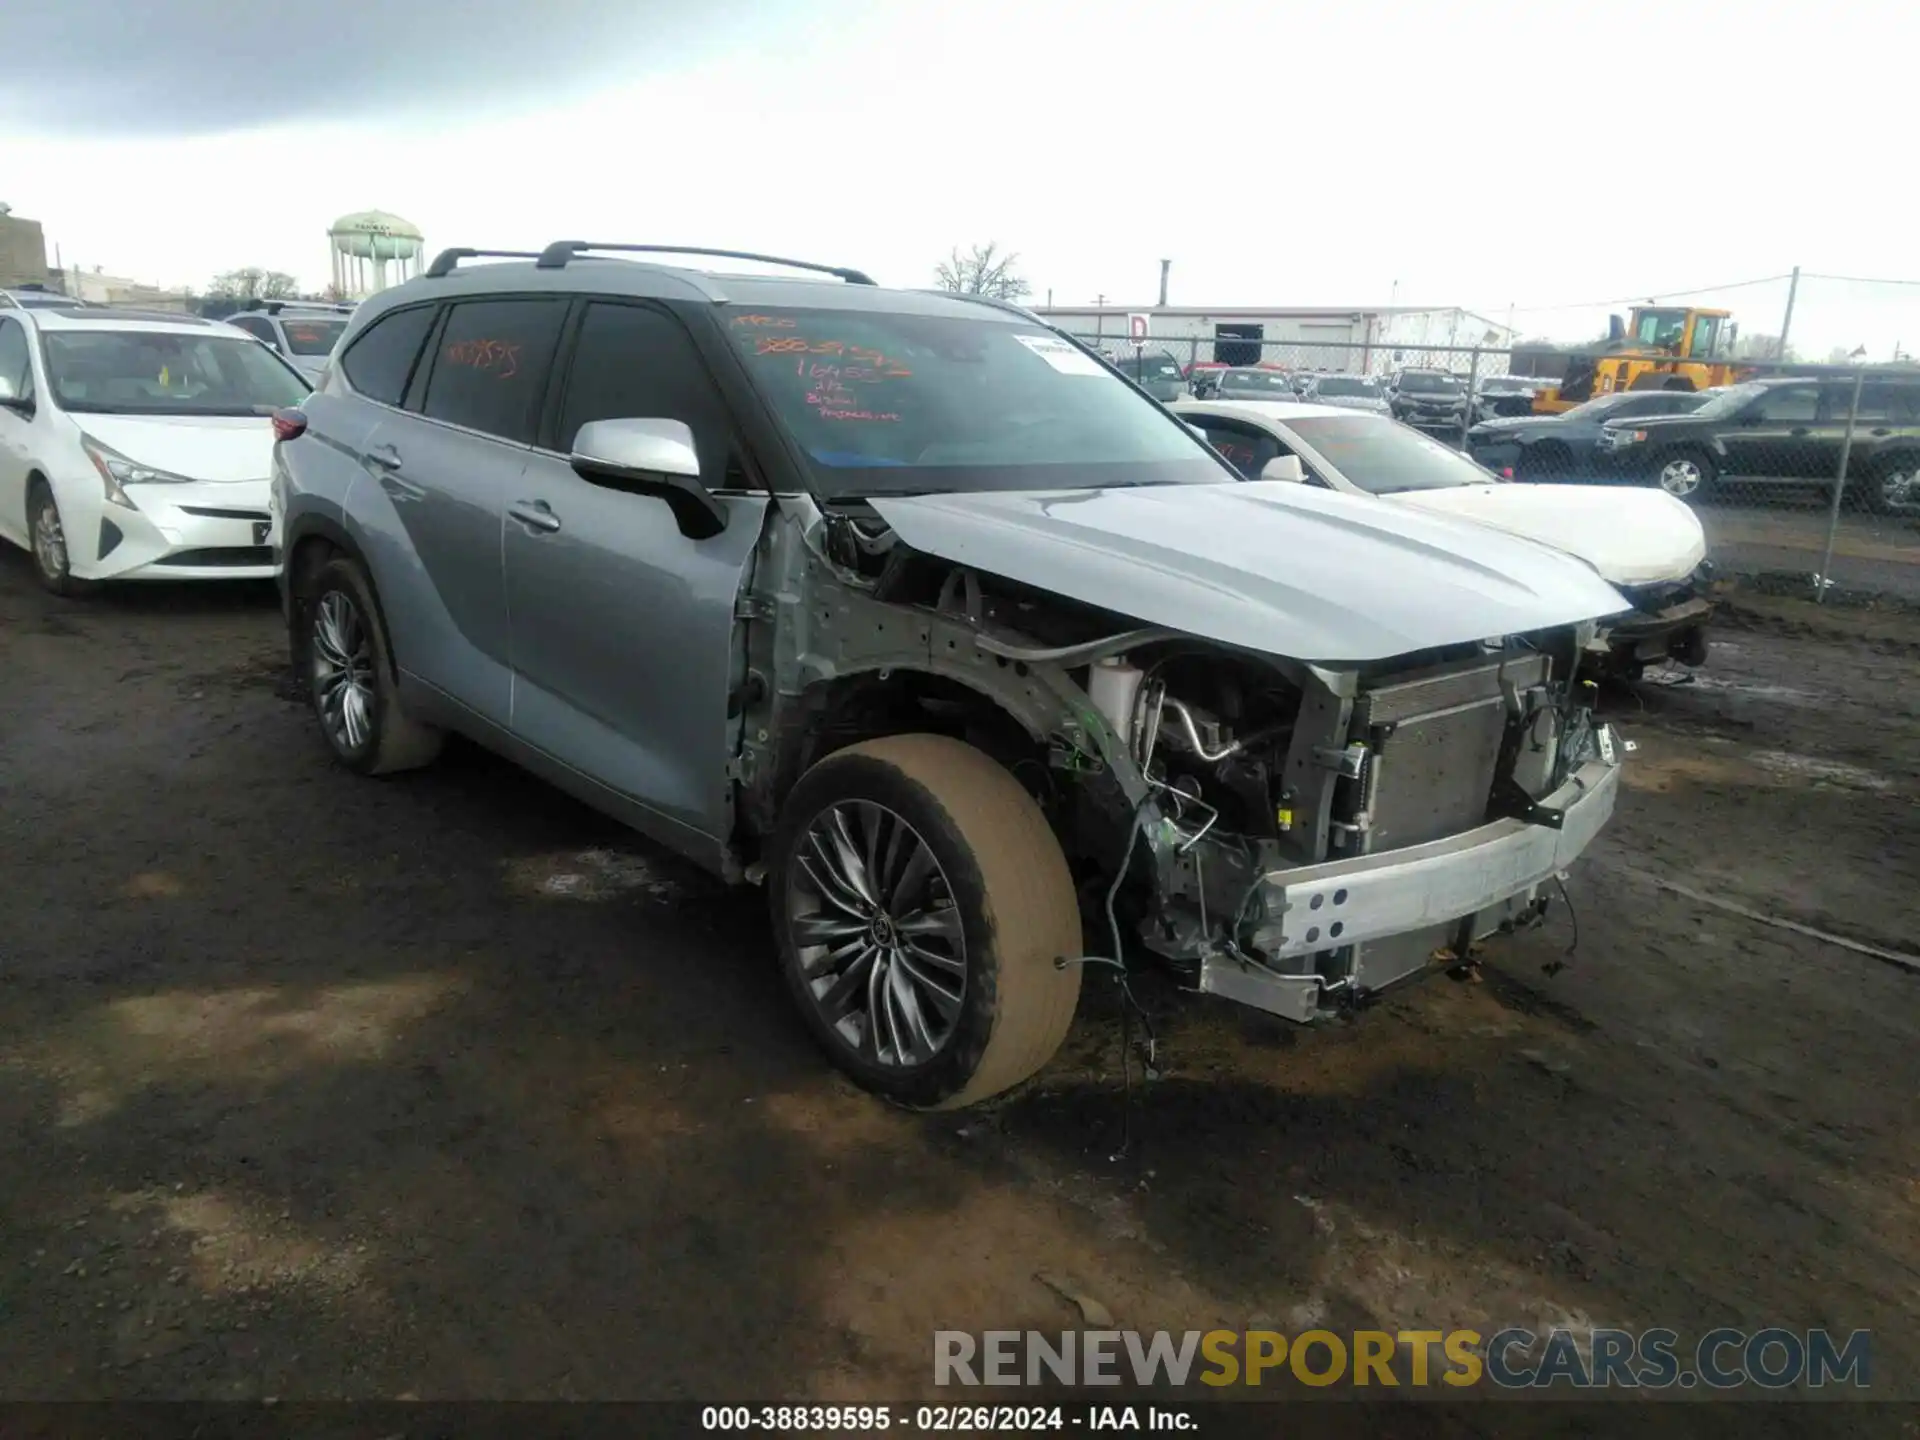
447 466
622 626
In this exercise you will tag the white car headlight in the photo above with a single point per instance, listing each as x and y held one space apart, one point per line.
117 470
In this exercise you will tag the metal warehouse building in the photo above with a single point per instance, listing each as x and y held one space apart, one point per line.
1361 339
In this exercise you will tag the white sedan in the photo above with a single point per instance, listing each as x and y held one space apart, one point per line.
1646 544
136 445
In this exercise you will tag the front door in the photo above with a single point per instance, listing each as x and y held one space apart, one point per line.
18 405
622 626
1778 436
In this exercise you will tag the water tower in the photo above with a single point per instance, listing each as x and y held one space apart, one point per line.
372 250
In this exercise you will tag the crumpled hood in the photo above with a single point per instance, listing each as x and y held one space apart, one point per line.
200 447
1632 537
1268 566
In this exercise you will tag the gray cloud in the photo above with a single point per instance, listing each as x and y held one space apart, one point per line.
100 68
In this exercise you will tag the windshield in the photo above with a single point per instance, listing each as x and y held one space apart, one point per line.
1722 402
1384 457
1426 383
1504 385
1595 409
896 404
137 372
313 337
1258 382
1336 385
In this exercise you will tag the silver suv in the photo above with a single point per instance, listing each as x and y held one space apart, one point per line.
304 332
912 611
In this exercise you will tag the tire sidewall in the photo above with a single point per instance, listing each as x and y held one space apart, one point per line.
64 584
853 776
346 576
1701 462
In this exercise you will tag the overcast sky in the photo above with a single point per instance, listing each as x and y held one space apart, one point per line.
1539 156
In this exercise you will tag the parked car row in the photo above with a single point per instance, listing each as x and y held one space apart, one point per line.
1784 431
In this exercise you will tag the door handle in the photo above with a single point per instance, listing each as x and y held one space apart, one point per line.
1799 430
535 515
1881 431
384 457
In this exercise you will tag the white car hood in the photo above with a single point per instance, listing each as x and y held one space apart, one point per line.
1632 537
201 447
1268 566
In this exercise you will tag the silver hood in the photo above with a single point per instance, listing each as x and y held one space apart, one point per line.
1272 567
1370 404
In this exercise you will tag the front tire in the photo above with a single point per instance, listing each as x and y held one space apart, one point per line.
1893 486
47 537
921 906
1685 474
341 650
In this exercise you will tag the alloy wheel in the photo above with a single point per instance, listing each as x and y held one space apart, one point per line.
49 540
1900 489
343 670
1680 477
877 935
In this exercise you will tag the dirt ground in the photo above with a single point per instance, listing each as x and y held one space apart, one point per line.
443 1086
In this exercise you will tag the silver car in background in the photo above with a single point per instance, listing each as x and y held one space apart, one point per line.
1348 392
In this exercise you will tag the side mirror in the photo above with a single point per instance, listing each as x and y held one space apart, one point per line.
1285 468
11 399
650 457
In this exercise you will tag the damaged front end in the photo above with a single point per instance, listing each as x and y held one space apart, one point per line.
1291 835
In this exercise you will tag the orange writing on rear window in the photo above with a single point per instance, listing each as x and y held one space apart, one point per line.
500 357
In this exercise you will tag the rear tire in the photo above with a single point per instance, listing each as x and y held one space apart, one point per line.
47 542
343 658
921 905
1892 486
1684 474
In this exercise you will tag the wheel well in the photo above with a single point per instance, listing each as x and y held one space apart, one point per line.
836 714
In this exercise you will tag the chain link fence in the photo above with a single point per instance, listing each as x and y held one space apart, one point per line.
1806 477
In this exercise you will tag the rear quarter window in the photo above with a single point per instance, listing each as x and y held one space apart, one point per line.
382 356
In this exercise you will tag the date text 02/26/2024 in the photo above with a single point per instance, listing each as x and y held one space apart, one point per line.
943 1419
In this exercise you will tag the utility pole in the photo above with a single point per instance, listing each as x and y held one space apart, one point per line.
1165 266
1099 319
1786 324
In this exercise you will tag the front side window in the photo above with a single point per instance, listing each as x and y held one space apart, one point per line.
633 362
490 365
1246 449
891 403
1661 329
137 372
381 357
16 362
1384 457
1706 336
1788 405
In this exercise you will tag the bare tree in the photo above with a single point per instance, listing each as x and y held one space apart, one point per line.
251 283
983 270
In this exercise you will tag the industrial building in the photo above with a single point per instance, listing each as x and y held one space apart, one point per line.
1363 339
23 250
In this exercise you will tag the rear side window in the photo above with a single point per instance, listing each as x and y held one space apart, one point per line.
490 365
633 362
379 360
259 329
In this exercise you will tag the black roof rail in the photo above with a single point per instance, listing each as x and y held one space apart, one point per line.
556 255
444 262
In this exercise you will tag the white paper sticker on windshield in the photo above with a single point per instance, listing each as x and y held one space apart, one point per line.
1060 355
